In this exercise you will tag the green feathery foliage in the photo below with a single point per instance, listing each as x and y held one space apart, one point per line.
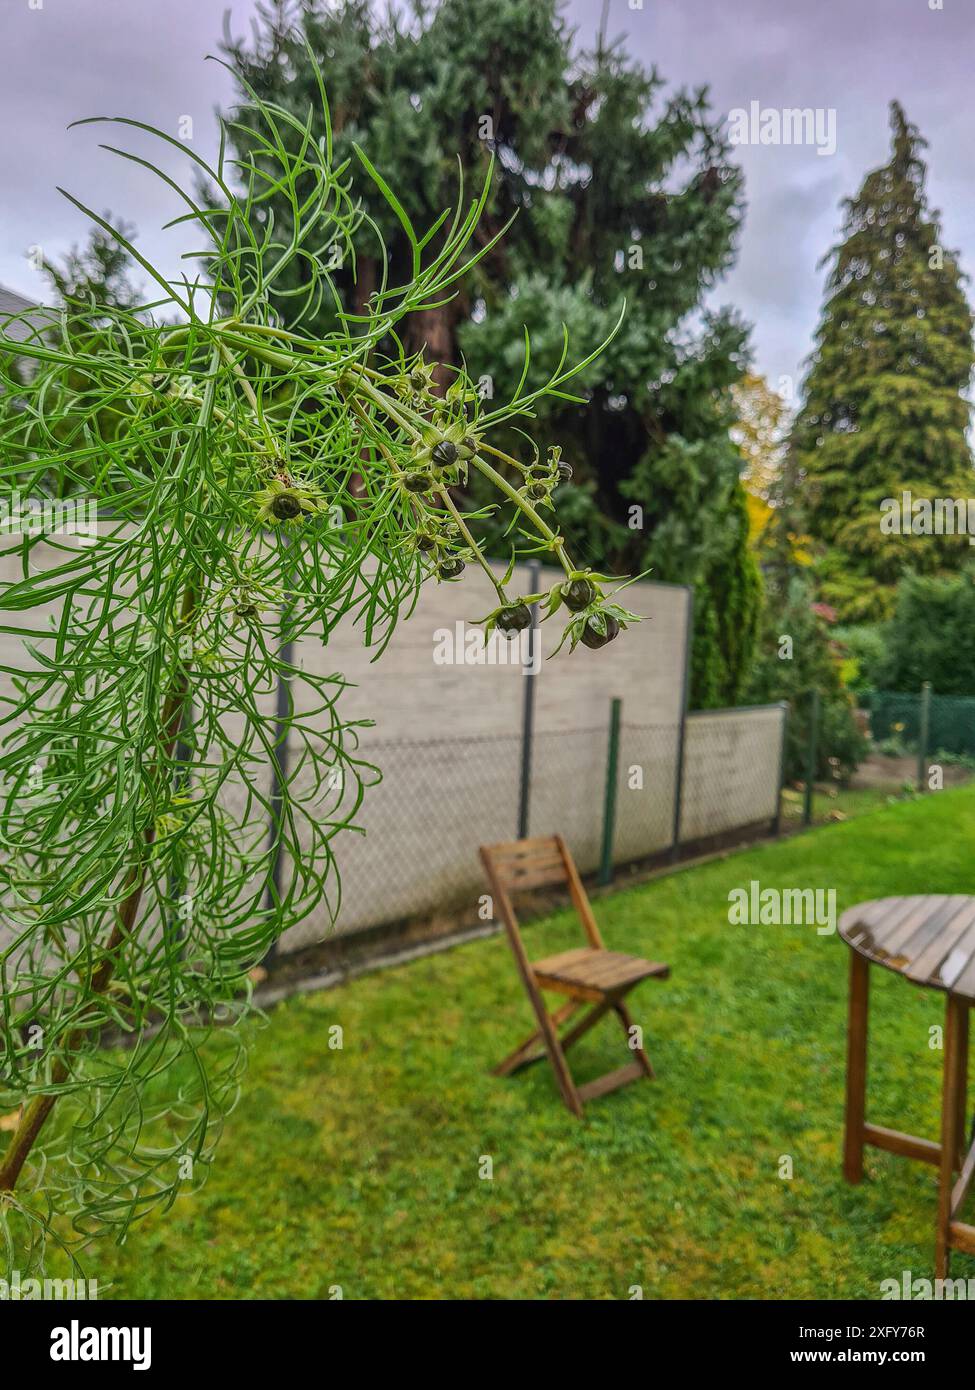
256 484
884 411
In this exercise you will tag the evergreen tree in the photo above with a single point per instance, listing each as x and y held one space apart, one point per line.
884 411
620 191
95 276
931 636
91 288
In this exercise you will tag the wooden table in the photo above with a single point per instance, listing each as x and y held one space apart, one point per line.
931 941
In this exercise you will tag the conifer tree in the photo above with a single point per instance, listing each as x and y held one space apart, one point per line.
884 411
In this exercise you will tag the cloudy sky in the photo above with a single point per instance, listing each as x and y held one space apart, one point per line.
63 59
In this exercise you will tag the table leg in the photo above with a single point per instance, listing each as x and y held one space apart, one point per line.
956 1028
963 1021
856 1067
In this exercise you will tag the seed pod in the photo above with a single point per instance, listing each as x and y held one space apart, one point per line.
537 491
417 482
565 472
469 442
425 542
285 506
513 619
594 639
538 470
577 594
450 568
245 610
444 454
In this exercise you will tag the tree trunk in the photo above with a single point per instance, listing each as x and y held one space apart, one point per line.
433 331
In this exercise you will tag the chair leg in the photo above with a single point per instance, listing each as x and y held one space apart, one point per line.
550 1040
545 1039
584 1024
856 1067
623 1014
956 1020
561 1068
533 1048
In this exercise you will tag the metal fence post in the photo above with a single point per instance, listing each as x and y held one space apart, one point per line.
528 708
777 818
609 802
182 776
807 809
682 726
923 737
279 771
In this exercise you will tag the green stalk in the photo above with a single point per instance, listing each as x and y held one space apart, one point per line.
395 412
555 542
465 532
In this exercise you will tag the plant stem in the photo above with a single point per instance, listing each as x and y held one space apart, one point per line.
394 412
465 532
513 463
35 1114
555 541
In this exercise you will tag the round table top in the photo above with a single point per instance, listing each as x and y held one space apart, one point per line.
930 940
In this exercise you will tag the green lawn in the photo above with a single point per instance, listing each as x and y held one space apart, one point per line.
359 1167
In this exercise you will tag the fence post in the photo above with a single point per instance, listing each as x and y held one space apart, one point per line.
924 734
682 727
279 770
609 802
807 809
182 755
528 708
777 818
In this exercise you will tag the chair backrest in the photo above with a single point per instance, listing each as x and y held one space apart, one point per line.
521 864
541 862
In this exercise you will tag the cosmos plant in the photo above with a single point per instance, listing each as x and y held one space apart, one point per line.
255 485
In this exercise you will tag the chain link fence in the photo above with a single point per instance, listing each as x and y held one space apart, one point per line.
917 742
618 793
922 721
414 849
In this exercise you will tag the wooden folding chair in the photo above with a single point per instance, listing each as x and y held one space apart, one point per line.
588 974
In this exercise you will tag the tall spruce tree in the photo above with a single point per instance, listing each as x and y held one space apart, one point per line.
620 192
883 410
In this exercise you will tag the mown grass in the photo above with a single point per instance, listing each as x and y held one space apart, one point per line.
359 1167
